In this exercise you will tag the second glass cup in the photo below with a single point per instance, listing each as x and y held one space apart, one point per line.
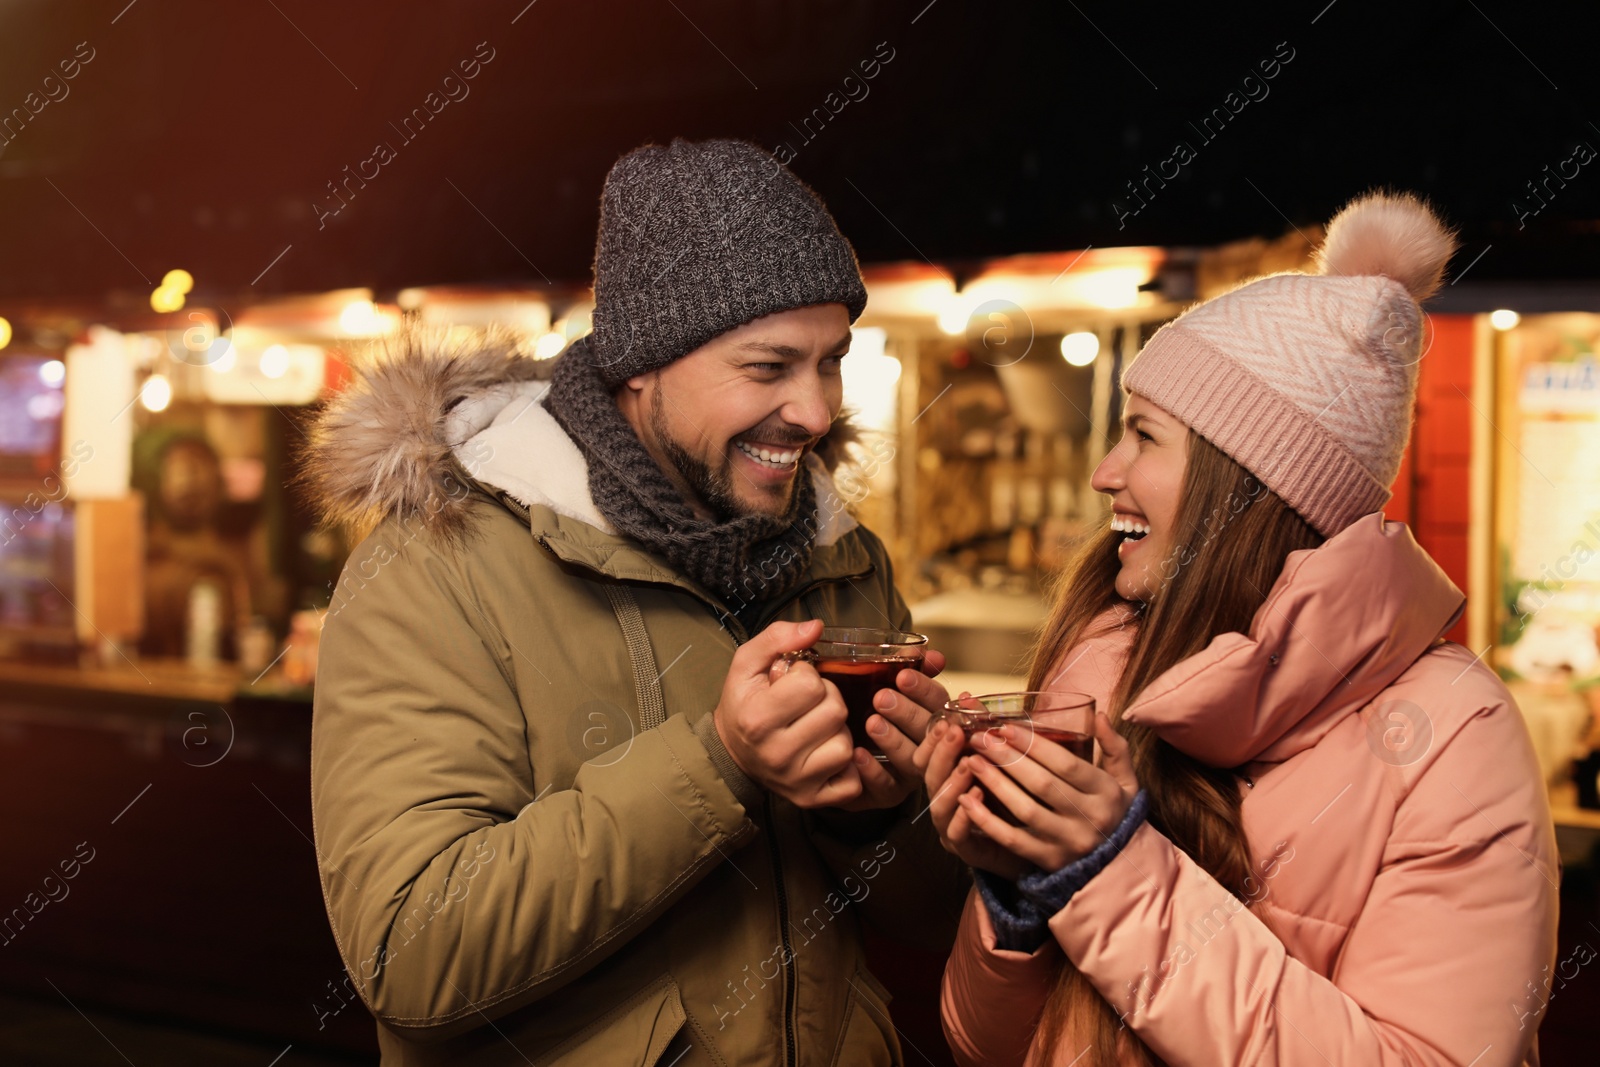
1064 718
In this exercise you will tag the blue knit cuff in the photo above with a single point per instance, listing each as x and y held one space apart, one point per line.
1018 923
1049 893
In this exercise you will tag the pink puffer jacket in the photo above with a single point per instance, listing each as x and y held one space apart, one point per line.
1405 857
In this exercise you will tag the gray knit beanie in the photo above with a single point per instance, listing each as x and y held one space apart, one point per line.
696 239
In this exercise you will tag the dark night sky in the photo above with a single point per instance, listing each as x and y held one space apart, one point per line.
202 135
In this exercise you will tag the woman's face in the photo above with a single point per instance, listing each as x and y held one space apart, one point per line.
1144 476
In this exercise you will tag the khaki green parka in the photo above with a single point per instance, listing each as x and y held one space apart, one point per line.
533 846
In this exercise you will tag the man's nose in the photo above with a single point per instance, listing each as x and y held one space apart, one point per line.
810 405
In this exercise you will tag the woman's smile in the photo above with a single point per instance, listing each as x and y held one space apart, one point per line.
1134 529
1143 474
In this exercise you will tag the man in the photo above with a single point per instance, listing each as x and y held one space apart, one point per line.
571 807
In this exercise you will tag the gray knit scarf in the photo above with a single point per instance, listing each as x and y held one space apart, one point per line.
748 560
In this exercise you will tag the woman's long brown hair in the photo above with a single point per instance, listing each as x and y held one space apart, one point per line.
1230 541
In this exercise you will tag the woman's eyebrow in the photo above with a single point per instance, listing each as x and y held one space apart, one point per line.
1150 422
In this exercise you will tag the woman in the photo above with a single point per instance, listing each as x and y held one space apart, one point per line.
1317 834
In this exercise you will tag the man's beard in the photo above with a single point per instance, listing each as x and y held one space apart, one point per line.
715 488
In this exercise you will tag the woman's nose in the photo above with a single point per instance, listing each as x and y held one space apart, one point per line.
1111 475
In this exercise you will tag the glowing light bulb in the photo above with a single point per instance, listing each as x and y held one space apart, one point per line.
179 281
5 332
53 373
166 300
156 393
549 345
361 319
955 315
1079 349
275 361
1504 319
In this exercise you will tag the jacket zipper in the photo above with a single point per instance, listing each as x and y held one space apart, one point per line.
790 982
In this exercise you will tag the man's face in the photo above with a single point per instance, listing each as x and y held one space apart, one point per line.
731 422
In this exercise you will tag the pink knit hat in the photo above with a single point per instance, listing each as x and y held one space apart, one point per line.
1307 380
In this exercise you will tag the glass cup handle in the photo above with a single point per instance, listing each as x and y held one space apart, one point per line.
789 659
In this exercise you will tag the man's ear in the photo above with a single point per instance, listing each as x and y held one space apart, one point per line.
636 384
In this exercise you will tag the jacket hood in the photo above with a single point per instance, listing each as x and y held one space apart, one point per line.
1342 622
428 413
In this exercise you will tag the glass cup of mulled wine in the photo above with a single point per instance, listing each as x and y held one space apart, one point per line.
860 660
1067 719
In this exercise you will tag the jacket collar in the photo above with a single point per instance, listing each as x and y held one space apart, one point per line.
1341 623
428 406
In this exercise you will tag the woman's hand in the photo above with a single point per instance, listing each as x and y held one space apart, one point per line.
948 776
1077 805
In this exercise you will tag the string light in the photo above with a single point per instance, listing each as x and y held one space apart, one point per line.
170 294
156 393
1079 349
275 361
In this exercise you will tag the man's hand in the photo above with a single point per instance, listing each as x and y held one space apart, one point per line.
787 729
898 728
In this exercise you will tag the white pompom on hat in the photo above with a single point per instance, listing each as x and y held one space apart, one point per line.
1307 380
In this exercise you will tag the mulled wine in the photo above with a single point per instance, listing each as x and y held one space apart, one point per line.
861 660
1080 745
859 681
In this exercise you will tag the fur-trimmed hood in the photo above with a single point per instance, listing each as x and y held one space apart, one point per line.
429 412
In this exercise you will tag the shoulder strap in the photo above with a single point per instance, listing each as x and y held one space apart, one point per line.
646 679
